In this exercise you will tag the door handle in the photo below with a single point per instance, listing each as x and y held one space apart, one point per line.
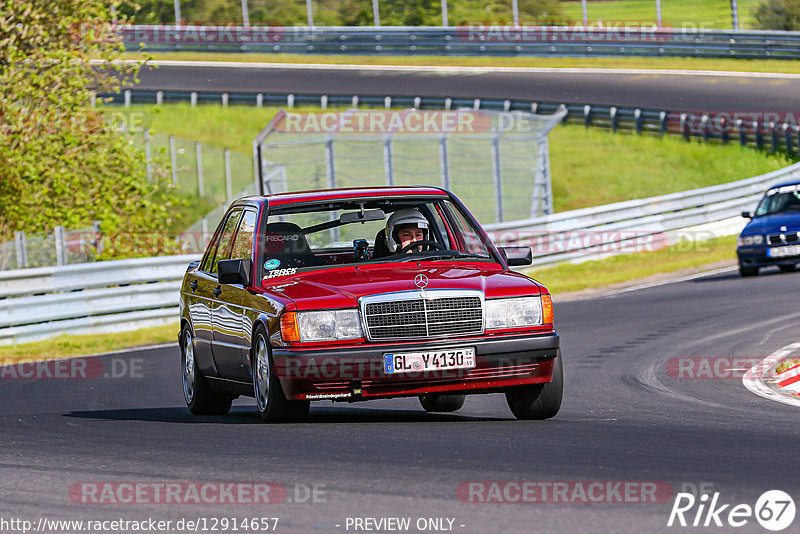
193 285
217 291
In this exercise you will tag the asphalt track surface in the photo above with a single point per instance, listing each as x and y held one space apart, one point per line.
624 418
659 90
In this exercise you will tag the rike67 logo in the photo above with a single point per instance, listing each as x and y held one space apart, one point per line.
774 510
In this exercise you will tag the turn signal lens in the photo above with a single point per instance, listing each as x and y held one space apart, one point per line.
289 329
547 309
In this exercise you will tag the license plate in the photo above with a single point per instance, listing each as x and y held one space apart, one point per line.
782 252
417 362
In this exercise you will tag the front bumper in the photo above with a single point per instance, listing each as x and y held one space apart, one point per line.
753 257
356 372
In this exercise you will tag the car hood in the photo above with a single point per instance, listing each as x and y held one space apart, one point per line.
342 287
772 223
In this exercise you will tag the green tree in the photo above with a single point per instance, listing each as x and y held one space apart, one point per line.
778 15
62 164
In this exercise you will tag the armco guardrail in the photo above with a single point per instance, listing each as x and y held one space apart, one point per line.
475 39
124 294
625 223
95 297
773 131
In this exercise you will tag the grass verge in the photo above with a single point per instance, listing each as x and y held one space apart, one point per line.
566 278
670 63
67 346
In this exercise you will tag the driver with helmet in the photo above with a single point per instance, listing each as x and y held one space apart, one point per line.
405 226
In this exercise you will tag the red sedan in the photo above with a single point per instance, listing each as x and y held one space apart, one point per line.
355 294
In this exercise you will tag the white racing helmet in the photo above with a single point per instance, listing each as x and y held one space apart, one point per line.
403 217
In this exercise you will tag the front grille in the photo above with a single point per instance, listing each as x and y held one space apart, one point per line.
779 239
424 317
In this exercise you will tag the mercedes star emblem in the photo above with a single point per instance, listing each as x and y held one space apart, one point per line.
421 281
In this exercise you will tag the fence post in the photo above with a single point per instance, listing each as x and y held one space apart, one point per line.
388 160
444 162
245 14
541 183
445 21
228 184
376 14
148 155
177 6
61 246
22 250
98 237
330 164
497 172
309 14
198 149
173 158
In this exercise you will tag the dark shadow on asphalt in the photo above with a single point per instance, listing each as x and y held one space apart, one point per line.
766 272
244 416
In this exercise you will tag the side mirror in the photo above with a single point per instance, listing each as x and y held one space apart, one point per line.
517 256
234 272
747 215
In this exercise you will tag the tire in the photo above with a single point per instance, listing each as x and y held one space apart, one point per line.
199 397
436 402
748 271
538 401
271 403
788 268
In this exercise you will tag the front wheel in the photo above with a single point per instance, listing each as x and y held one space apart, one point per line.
272 404
538 401
434 402
199 397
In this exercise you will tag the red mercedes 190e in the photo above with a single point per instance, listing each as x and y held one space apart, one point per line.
355 294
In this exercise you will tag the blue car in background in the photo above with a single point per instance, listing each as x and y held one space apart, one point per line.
772 237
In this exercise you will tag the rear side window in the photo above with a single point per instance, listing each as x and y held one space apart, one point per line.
243 244
223 247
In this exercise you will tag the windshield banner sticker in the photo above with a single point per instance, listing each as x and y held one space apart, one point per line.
272 264
280 272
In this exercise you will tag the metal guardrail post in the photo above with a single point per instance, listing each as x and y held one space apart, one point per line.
684 126
387 102
159 98
742 132
260 100
61 246
198 150
224 100
774 134
637 115
22 250
613 116
173 159
354 101
444 162
376 13
177 6
245 14
759 135
445 21
323 101
497 174
724 126
127 98
705 127
787 139
587 115
193 98
662 123
330 164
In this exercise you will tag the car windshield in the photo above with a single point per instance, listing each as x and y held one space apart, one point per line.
780 200
319 235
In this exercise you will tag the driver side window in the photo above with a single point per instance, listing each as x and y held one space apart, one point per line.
221 249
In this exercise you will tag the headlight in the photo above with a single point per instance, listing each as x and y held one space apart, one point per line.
513 312
748 240
321 325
